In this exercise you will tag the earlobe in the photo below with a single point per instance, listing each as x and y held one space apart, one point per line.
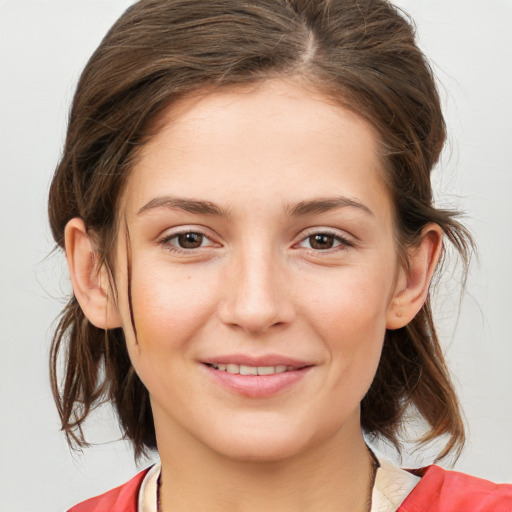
413 282
90 285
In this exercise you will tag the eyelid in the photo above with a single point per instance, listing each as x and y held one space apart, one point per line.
165 239
345 241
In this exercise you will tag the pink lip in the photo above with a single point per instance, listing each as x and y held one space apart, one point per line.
257 386
267 360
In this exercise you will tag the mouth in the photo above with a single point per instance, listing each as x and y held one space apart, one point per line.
262 377
242 369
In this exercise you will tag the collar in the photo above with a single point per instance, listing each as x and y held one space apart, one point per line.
392 486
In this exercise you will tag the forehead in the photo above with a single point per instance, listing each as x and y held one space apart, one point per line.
271 139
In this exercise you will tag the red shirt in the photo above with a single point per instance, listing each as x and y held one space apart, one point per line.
437 491
450 491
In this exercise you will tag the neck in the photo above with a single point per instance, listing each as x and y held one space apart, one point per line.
335 475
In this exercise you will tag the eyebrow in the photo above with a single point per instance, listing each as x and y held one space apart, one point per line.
187 205
322 205
299 209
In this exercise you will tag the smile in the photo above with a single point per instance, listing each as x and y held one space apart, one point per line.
270 376
241 369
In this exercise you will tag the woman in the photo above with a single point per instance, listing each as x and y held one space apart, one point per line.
245 204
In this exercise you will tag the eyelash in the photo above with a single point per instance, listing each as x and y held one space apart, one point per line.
343 242
166 241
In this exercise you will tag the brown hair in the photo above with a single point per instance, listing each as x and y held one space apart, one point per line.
362 54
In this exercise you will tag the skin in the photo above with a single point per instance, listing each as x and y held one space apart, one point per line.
255 281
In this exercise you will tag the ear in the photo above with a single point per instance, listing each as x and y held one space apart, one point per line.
413 283
90 285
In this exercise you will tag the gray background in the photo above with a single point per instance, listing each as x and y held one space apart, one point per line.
43 46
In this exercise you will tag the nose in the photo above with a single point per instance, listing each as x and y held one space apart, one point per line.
256 296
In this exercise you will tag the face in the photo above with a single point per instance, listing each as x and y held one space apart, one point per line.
259 236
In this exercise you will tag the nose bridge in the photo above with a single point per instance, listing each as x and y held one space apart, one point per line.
256 298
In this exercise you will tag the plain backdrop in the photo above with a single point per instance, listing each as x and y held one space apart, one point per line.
43 46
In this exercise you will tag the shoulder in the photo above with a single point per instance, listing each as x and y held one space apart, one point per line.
440 490
121 499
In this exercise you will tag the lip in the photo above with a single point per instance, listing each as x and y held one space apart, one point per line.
257 386
265 360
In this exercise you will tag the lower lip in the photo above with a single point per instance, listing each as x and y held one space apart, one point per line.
258 386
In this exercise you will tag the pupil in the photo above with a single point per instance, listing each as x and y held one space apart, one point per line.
190 240
322 241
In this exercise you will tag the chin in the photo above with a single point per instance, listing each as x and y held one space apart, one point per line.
256 451
262 443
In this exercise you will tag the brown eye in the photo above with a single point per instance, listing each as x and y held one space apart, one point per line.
322 241
190 240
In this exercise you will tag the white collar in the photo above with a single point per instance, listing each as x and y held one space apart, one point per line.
149 490
392 486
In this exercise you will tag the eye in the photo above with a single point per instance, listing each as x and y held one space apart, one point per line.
187 240
324 241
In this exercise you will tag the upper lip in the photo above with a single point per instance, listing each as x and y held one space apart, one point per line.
265 360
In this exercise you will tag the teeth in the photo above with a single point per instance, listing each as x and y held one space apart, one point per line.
242 369
233 368
266 370
248 370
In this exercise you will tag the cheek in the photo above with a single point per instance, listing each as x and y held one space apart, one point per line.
169 308
350 305
350 317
